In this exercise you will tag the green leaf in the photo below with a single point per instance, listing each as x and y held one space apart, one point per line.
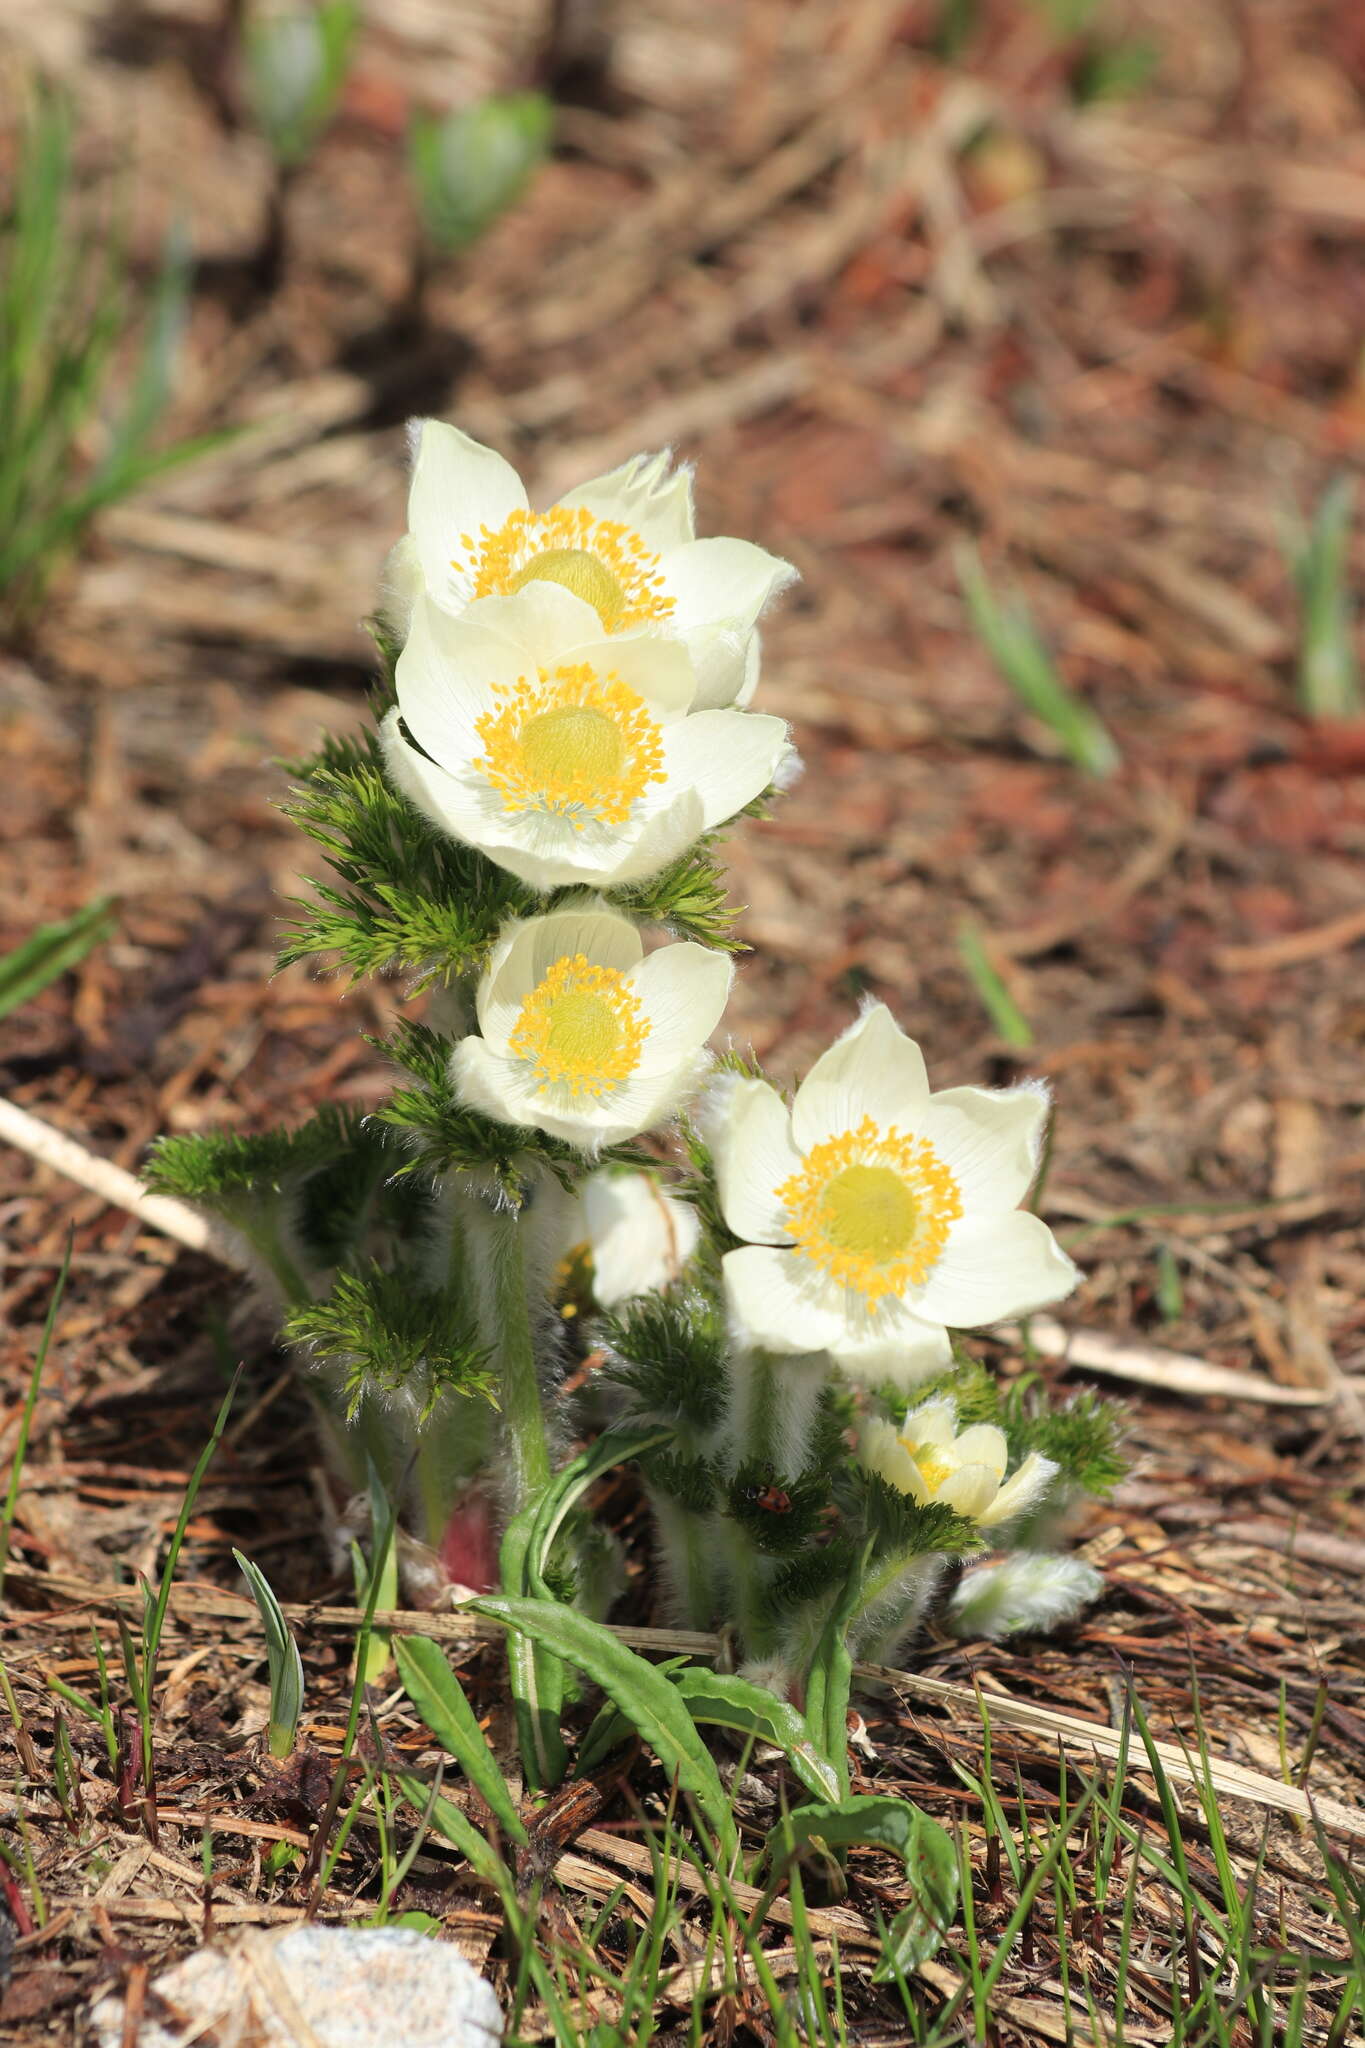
392 1332
52 951
282 1657
295 69
410 896
229 1171
566 1489
918 1930
642 1693
456 1827
609 1728
925 1849
669 1350
440 1699
535 1676
374 1646
1319 560
831 1675
1084 1436
537 1679
1010 638
687 898
470 165
1007 1019
730 1702
70 312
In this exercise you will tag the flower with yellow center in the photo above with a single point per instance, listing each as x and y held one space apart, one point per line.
567 756
584 1035
876 1215
625 545
929 1458
639 1236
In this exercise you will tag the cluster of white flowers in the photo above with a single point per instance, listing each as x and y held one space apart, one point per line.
572 700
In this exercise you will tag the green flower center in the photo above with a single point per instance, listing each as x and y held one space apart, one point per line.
575 569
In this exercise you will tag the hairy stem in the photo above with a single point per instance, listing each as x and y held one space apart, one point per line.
514 1357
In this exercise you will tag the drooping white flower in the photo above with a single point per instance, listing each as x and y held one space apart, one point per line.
930 1459
640 1237
582 1034
877 1215
567 756
624 543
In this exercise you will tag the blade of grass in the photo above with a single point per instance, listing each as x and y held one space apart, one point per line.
1009 636
52 951
1009 1021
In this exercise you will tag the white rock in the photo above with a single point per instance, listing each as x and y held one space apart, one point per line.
316 1987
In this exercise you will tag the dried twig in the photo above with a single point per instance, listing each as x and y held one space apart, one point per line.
159 1212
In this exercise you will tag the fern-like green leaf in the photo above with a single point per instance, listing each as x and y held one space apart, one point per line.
391 1333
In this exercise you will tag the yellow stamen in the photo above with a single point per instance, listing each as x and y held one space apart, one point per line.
581 1027
572 742
599 560
873 1208
932 1469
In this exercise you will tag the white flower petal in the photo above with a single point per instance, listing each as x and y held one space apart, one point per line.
990 1139
1001 1266
507 1090
969 1490
904 1350
753 663
882 1452
445 680
776 1302
722 579
933 1422
543 619
657 670
641 1237
401 583
983 1444
725 662
754 1155
647 495
437 795
486 1081
648 1099
458 487
874 1071
728 757
1022 1491
683 990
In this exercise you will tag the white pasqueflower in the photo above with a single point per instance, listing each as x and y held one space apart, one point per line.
639 1236
624 543
567 756
877 1215
585 1036
930 1459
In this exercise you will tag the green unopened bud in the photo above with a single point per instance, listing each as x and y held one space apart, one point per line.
470 167
295 68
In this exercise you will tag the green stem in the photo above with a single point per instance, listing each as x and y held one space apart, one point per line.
263 1234
515 1359
454 1443
686 1543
